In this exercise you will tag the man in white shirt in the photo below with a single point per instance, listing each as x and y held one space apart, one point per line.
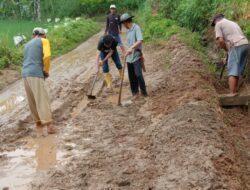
231 38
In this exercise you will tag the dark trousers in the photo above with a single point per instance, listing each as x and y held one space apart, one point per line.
115 58
136 78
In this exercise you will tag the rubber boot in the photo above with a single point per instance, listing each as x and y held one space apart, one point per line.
108 80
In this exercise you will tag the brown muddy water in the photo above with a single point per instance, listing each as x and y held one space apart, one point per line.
31 154
20 165
38 154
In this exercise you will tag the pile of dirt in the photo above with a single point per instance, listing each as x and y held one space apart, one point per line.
171 140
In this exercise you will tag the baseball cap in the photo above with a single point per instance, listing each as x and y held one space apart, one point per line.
217 16
125 17
112 7
39 31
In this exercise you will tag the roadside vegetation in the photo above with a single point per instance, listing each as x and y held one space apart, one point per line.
163 18
56 15
190 21
63 37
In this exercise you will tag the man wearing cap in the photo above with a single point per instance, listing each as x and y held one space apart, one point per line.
106 50
35 69
114 27
231 38
134 55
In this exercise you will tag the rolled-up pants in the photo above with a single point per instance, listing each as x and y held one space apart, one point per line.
136 78
38 99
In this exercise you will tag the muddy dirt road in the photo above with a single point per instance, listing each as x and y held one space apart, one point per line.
70 72
175 139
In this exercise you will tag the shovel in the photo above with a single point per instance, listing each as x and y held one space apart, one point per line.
90 96
121 85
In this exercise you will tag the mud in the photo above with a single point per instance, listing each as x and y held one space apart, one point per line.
8 76
177 138
237 132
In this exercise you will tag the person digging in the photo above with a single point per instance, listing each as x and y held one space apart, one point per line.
230 37
107 48
134 56
35 69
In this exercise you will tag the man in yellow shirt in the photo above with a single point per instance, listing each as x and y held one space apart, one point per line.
35 69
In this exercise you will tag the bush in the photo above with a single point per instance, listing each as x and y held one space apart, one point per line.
196 14
155 26
158 27
62 39
8 55
61 8
93 7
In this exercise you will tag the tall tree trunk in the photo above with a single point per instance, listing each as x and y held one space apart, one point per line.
37 10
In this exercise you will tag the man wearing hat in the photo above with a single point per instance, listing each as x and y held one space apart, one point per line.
35 69
106 50
231 38
114 27
134 56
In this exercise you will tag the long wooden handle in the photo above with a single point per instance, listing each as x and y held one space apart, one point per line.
120 92
93 85
223 68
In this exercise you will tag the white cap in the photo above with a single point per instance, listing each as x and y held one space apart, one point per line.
112 7
39 31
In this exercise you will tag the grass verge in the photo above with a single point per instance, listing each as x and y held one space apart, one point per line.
63 37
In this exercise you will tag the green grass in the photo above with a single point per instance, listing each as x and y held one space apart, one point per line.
10 28
63 37
158 28
188 20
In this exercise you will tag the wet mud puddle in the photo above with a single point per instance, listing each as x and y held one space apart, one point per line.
10 103
17 168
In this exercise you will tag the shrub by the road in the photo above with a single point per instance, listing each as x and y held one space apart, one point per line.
66 36
63 37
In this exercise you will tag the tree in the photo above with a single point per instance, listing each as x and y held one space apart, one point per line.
37 10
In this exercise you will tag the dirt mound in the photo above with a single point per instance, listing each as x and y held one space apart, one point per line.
171 140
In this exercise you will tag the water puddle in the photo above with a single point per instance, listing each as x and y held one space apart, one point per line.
10 103
17 168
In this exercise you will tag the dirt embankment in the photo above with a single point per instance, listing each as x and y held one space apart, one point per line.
172 140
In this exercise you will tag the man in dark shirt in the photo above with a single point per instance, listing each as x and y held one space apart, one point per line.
107 49
114 27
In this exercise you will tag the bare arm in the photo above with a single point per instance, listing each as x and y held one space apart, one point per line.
98 57
108 56
136 45
107 26
221 43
